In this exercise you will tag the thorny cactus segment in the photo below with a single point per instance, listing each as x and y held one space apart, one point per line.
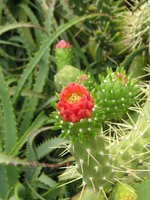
63 54
93 162
135 25
65 76
133 148
75 103
124 192
116 93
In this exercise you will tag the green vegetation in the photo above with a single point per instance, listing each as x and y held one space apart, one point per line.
100 153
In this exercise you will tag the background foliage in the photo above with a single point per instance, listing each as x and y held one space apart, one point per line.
32 156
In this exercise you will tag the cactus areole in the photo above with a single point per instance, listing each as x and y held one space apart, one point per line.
75 103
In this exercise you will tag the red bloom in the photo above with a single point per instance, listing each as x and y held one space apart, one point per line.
75 103
62 44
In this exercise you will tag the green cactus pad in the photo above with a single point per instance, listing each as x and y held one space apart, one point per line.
65 76
116 93
93 162
63 57
124 192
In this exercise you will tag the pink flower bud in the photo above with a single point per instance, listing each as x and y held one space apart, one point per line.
62 44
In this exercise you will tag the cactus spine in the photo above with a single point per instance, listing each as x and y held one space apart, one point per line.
135 25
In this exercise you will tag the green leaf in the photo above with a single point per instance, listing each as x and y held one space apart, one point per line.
48 146
131 56
37 123
3 182
8 27
80 51
37 87
34 192
10 130
11 43
47 180
33 19
49 19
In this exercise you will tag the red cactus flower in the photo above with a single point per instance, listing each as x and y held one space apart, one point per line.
62 44
75 103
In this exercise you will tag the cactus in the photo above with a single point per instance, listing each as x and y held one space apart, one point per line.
105 154
63 54
66 73
134 25
65 76
116 93
124 192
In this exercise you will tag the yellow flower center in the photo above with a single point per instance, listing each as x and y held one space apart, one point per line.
74 98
